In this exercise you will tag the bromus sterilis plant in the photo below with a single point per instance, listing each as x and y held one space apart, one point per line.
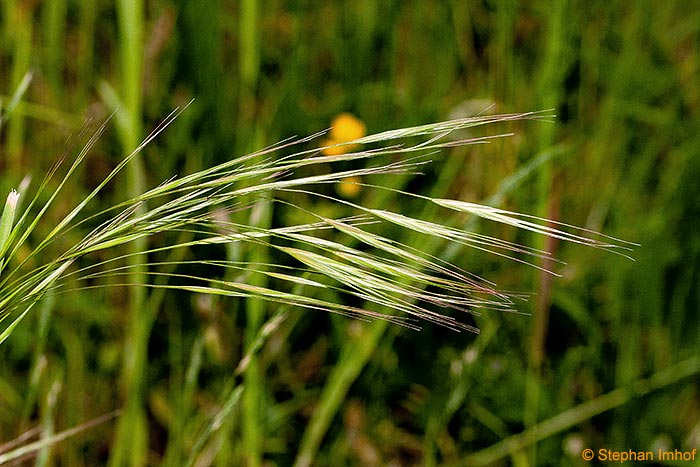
360 261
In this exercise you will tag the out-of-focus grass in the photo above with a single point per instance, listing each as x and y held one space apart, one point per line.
623 78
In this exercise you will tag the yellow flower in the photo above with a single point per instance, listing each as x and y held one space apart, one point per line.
347 127
349 187
344 128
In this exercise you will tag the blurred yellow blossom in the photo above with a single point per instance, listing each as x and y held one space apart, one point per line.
345 127
349 187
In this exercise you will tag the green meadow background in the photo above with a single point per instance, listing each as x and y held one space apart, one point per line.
607 356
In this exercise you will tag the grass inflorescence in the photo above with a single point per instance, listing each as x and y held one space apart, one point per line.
406 284
198 329
392 276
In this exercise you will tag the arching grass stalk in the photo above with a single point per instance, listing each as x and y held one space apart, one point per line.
405 284
189 203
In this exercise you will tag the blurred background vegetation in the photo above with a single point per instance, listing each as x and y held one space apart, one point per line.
606 356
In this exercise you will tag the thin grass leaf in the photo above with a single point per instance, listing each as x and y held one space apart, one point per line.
32 448
16 98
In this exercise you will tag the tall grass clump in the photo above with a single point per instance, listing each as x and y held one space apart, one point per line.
378 277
